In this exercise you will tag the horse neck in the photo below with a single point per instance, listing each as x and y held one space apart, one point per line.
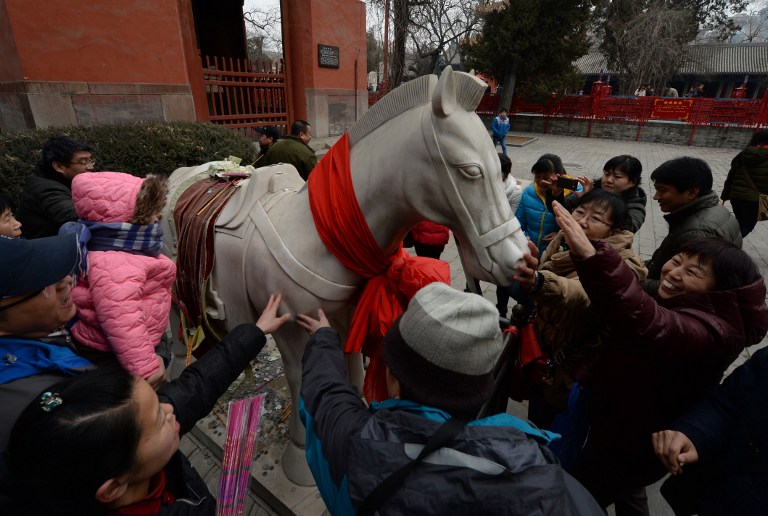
379 164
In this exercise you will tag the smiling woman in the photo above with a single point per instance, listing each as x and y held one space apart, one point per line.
662 353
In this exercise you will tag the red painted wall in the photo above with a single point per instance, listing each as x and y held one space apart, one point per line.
339 23
137 41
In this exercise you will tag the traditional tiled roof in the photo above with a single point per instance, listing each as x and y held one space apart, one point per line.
710 59
727 59
592 64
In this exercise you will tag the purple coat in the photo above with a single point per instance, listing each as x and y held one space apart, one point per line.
659 356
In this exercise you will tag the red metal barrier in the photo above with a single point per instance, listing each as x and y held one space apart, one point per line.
750 113
489 104
521 106
374 96
574 106
244 95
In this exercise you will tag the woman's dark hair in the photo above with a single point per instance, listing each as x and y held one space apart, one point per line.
548 163
64 455
630 165
6 203
609 201
759 138
732 267
506 165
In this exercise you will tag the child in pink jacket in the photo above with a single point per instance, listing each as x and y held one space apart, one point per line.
124 297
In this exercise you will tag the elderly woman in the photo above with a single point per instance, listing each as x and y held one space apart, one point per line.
660 354
568 327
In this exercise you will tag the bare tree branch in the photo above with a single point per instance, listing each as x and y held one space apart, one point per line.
263 27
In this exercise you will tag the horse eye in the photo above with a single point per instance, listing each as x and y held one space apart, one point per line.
471 171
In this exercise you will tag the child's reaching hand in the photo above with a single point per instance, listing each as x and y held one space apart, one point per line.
312 325
157 379
269 321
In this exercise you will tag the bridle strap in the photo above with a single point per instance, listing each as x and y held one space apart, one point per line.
480 243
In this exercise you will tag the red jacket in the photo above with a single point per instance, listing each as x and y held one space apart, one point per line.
429 233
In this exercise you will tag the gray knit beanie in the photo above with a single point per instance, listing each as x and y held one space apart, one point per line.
443 348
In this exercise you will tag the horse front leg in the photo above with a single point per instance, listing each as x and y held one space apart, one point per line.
290 340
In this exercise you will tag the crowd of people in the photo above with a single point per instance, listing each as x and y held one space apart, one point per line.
635 354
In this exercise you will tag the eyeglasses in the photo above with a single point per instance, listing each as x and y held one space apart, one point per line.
86 162
579 214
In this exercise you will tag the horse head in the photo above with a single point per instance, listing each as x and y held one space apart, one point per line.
441 166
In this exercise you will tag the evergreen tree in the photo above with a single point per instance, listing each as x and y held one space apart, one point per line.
534 41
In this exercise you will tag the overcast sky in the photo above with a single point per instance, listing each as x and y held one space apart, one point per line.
263 4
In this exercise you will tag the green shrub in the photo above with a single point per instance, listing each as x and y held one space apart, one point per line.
136 148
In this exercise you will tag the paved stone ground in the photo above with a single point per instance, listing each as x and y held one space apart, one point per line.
582 156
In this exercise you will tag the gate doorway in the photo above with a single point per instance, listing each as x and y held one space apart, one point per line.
239 93
244 95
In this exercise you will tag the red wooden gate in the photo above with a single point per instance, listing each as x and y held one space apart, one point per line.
244 95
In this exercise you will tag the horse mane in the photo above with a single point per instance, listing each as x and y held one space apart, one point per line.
466 90
396 102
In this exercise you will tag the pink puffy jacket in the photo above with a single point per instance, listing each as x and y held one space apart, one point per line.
124 302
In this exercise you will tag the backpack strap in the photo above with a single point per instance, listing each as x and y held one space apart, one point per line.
376 498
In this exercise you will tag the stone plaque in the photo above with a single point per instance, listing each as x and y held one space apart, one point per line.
327 56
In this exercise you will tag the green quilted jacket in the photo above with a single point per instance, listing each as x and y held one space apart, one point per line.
736 186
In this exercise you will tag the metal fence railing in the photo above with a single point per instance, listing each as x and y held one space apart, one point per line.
244 95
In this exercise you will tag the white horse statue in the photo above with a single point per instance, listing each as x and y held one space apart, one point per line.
420 153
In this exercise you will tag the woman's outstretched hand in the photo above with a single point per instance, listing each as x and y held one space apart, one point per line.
526 274
269 321
580 245
312 325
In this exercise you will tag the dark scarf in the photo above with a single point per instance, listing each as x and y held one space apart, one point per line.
114 236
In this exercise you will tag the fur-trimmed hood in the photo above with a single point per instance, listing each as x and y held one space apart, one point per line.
118 197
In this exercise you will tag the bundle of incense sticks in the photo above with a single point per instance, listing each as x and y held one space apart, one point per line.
242 431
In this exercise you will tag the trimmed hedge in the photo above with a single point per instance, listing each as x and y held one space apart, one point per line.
137 148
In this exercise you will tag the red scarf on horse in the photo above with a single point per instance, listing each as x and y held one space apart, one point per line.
391 280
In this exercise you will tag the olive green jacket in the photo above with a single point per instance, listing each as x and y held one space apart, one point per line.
736 187
294 151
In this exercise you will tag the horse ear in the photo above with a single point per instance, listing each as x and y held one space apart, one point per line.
444 96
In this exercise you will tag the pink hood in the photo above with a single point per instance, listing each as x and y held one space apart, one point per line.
105 196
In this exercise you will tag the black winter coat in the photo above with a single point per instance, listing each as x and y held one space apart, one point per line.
730 431
45 205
